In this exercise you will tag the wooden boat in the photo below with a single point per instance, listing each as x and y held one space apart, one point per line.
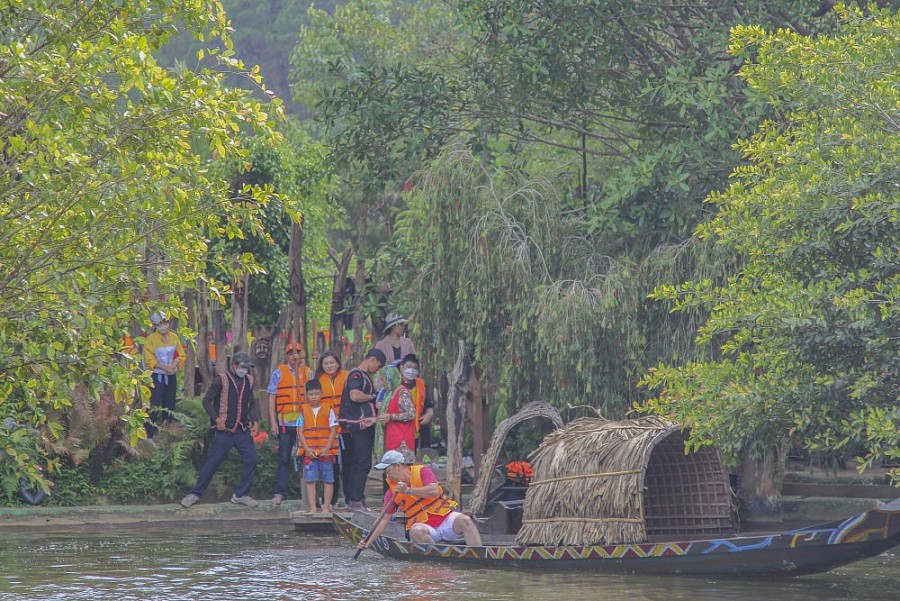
808 550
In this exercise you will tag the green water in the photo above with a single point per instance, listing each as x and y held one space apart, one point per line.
282 565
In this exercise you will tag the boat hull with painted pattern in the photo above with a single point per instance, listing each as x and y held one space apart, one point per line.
810 550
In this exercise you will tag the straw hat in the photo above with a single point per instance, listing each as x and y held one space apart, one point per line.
392 320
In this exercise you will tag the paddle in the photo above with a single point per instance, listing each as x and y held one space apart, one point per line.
384 511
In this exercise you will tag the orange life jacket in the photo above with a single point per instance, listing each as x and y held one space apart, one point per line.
417 509
316 429
419 402
520 471
291 394
332 389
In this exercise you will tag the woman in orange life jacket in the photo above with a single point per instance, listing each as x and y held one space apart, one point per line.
430 516
287 395
333 377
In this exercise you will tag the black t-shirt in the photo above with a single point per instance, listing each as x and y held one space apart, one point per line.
357 379
429 402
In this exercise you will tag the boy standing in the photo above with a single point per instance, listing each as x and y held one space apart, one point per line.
317 433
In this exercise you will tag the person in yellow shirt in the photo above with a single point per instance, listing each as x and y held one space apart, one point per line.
164 357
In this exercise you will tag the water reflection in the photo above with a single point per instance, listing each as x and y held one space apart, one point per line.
274 565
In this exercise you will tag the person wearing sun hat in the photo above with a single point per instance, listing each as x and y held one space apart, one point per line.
431 517
395 345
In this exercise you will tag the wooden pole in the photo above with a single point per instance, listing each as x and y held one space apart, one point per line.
239 311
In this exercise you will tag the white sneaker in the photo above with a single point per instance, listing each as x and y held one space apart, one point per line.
189 500
245 500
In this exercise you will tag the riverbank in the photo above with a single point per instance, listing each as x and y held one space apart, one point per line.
800 508
796 511
165 515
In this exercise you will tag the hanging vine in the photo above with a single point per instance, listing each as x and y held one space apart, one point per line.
551 310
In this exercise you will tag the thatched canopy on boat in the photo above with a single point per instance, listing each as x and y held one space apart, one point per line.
599 481
530 411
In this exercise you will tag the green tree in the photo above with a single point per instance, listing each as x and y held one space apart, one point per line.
809 328
360 45
109 202
264 32
495 259
638 100
298 172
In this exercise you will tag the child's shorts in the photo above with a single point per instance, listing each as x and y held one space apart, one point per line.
318 470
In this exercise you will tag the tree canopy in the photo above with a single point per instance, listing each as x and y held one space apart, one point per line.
809 327
109 201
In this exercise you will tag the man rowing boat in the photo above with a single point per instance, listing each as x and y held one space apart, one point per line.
431 517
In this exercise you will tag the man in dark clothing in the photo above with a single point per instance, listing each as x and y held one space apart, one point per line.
234 415
357 415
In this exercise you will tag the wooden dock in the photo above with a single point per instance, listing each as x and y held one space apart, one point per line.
304 521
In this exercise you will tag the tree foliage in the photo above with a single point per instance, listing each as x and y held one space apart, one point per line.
598 129
496 260
108 193
297 171
349 59
639 98
811 322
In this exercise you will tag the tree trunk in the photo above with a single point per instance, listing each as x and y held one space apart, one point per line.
239 312
760 483
478 420
456 419
222 351
190 359
359 318
295 320
203 336
336 324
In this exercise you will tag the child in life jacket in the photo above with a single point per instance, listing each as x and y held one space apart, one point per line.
317 436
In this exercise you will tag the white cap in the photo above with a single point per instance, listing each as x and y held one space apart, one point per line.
390 458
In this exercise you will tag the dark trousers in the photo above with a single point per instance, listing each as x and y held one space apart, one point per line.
337 480
424 439
287 436
162 401
358 462
222 442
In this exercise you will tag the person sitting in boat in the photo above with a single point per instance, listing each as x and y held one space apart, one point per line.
430 516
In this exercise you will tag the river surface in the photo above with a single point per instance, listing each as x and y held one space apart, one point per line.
279 564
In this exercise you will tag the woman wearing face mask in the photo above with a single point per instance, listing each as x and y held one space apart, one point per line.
163 356
406 410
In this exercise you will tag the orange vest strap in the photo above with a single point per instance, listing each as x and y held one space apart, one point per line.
316 429
417 509
291 392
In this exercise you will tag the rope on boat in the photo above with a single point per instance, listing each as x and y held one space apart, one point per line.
592 520
581 476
